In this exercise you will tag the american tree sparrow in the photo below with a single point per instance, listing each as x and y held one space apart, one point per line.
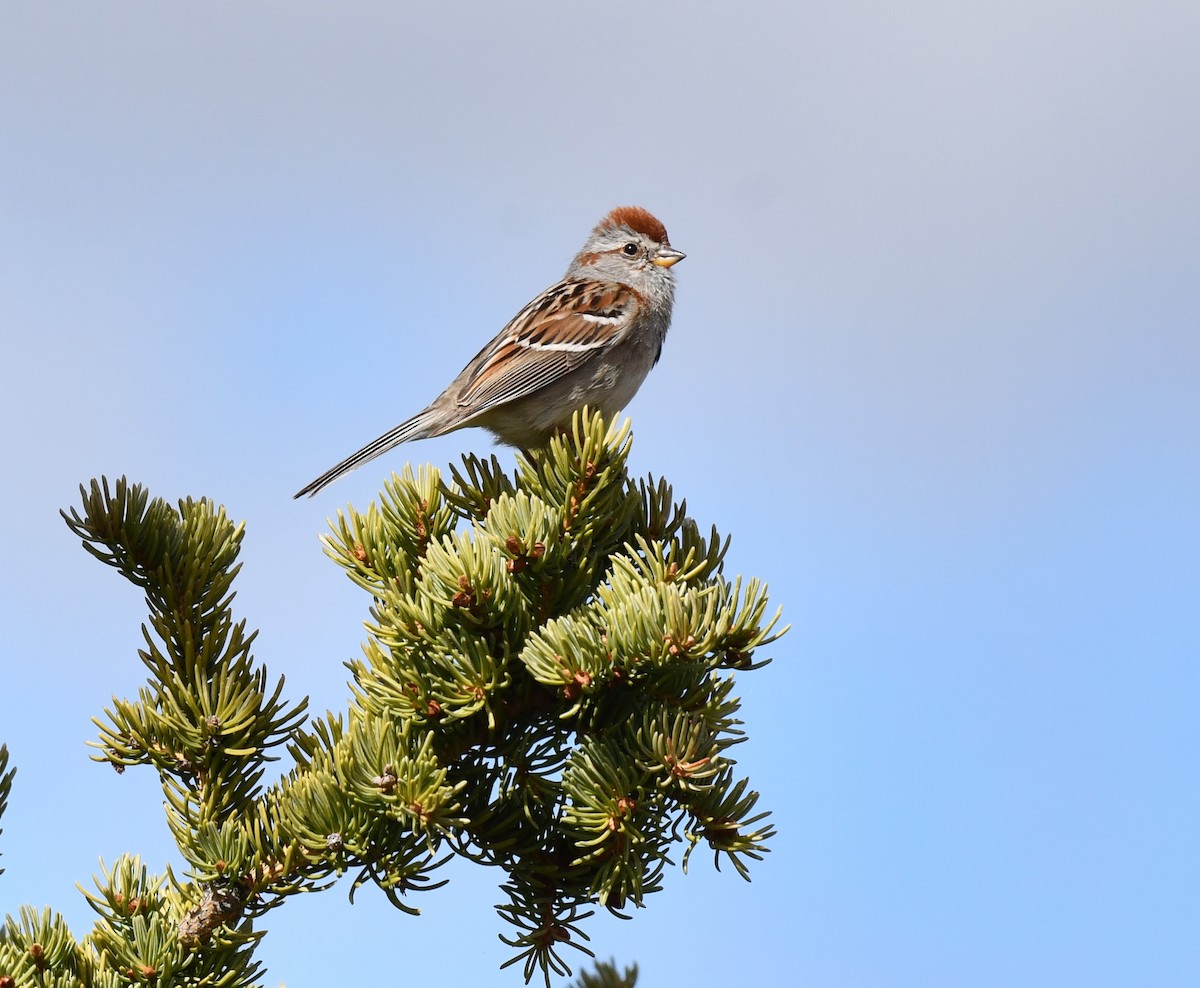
589 340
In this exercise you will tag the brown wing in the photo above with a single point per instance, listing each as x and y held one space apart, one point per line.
554 334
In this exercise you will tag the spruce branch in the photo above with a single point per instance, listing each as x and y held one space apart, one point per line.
206 716
561 641
546 686
6 780
205 721
606 975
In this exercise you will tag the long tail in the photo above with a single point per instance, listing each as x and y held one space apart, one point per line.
417 427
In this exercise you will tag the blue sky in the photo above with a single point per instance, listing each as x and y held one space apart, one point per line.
934 366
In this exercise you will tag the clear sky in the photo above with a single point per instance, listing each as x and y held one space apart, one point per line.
935 366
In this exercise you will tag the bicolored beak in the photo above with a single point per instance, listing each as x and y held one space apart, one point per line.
667 256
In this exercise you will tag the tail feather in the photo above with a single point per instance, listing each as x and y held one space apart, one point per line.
417 427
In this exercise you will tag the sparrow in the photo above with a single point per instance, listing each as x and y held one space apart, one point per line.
590 339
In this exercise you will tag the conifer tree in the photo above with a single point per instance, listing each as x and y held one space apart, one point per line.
546 687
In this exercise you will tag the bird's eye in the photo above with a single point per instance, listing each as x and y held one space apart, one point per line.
631 250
